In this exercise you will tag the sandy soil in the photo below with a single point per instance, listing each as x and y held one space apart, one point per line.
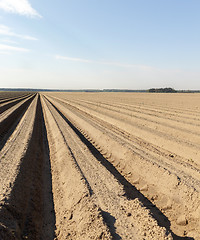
8 96
100 166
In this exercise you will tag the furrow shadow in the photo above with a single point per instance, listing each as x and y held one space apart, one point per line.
28 213
110 222
8 126
12 103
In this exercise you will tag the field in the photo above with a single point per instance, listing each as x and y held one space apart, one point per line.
99 166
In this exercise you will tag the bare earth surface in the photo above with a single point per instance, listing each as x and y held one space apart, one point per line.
99 166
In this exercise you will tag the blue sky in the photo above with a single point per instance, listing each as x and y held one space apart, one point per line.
100 44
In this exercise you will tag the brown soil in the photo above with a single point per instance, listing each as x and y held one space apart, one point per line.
100 166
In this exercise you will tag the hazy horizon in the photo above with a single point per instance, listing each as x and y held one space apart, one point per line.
99 45
93 89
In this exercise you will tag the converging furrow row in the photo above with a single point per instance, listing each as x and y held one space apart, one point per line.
81 166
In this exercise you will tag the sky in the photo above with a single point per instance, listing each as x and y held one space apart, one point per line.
93 44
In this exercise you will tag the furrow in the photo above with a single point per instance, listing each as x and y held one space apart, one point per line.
11 117
25 190
8 96
9 104
130 159
77 214
108 189
99 166
177 133
169 139
11 157
188 127
150 151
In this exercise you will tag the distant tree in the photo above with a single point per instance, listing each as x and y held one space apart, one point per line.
162 90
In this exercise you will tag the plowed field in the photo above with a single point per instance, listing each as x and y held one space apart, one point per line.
99 166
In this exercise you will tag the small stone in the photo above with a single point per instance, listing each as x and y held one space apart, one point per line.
129 214
167 206
182 220
136 181
144 188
